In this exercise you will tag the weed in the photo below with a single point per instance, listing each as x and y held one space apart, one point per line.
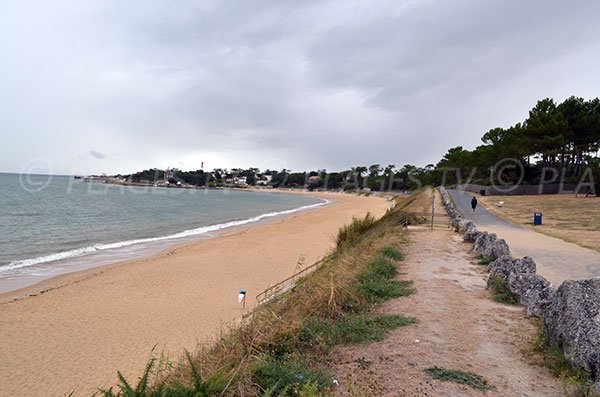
381 290
363 362
501 292
470 379
575 379
196 387
376 284
290 375
380 268
351 328
484 260
393 253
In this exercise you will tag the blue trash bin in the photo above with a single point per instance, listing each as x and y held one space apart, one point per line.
537 218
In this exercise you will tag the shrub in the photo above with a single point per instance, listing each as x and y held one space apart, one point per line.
348 233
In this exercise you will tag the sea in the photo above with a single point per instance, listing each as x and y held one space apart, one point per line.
53 225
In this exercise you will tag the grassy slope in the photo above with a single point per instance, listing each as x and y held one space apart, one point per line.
282 349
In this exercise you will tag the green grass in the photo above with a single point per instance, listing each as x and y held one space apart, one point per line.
483 260
501 292
291 376
379 268
392 253
376 291
376 283
470 379
352 328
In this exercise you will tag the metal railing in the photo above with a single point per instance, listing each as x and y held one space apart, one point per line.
285 285
405 219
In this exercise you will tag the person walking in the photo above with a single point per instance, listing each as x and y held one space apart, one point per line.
473 204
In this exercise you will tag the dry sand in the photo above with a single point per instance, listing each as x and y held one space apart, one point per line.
85 327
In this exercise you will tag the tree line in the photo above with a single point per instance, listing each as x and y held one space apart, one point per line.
557 142
374 177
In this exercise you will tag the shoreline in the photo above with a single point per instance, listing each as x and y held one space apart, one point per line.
76 336
37 282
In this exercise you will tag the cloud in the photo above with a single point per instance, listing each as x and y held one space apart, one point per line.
321 84
97 155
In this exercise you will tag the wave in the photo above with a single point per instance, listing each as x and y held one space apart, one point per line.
20 264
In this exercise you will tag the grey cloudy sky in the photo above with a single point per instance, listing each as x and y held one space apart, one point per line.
90 86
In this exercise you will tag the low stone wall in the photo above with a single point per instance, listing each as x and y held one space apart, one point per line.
521 190
571 313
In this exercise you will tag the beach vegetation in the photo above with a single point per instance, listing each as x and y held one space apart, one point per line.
376 282
348 233
193 386
283 347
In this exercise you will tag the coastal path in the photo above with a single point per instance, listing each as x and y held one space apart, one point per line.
459 327
556 259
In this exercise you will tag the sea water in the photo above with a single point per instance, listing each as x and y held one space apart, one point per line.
51 225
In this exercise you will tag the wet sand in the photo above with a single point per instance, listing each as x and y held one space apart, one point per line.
88 325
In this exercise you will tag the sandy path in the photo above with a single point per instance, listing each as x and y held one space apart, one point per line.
459 327
76 337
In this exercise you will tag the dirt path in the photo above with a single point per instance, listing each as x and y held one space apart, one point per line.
459 327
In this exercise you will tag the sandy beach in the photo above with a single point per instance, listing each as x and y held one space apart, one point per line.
86 326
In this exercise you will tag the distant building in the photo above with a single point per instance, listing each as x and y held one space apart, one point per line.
170 173
240 181
264 180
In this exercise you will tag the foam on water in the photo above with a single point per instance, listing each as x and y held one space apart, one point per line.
27 263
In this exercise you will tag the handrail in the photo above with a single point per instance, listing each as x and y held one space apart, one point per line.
285 285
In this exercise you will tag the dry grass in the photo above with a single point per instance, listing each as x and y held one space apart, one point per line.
570 218
420 201
268 344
